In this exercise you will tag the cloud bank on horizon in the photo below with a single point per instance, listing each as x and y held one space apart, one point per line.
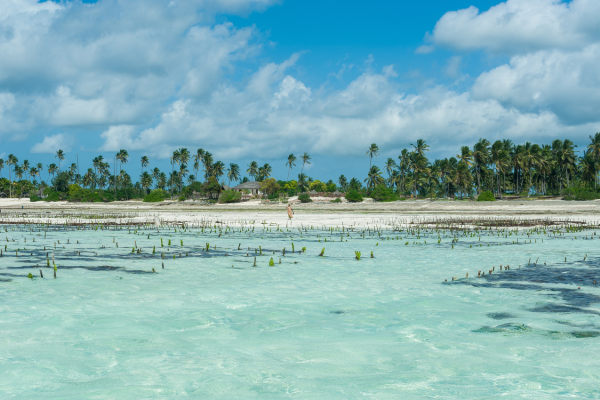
152 76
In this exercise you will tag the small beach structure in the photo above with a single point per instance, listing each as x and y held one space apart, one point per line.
313 193
251 186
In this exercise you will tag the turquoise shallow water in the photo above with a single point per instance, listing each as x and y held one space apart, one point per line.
311 327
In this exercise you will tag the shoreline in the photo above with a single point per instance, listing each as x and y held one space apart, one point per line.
359 215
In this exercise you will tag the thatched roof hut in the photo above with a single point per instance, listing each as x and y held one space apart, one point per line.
252 186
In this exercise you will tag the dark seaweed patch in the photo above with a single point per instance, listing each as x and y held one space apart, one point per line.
501 315
504 328
585 334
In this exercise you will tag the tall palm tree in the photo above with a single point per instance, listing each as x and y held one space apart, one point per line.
144 161
302 182
252 169
184 156
390 166
374 177
218 169
52 169
589 167
372 152
530 157
61 156
233 173
305 160
421 147
343 182
1 166
12 160
404 158
18 170
481 155
174 160
40 168
197 160
26 165
465 156
264 172
146 180
290 164
207 162
594 148
33 172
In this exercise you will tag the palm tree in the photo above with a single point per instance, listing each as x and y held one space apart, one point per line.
594 148
463 176
1 166
33 172
122 157
40 168
162 181
52 169
88 178
373 151
418 164
302 182
144 160
252 169
218 169
481 155
207 161
183 172
61 156
174 160
233 173
530 157
420 147
18 170
373 177
589 169
290 163
465 155
404 158
390 166
266 171
26 165
146 180
305 160
197 160
156 174
343 182
12 160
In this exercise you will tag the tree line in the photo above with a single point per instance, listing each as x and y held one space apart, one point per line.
502 168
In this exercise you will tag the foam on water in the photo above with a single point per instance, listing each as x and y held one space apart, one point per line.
214 326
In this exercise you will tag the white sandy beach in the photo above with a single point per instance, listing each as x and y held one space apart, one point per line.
312 214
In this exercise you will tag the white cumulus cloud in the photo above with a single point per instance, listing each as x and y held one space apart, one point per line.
517 26
52 143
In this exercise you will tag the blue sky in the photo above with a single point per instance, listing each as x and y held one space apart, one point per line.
260 79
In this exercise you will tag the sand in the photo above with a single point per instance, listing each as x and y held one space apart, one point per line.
312 214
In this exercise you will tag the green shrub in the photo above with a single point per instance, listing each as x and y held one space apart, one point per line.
580 194
382 193
154 196
181 198
337 200
230 196
353 196
486 196
34 198
52 196
305 198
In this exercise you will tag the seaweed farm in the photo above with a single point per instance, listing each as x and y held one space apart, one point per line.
119 306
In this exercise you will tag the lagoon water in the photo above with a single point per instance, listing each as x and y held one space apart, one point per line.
215 326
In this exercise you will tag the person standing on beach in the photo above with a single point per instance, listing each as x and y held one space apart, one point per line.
290 211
